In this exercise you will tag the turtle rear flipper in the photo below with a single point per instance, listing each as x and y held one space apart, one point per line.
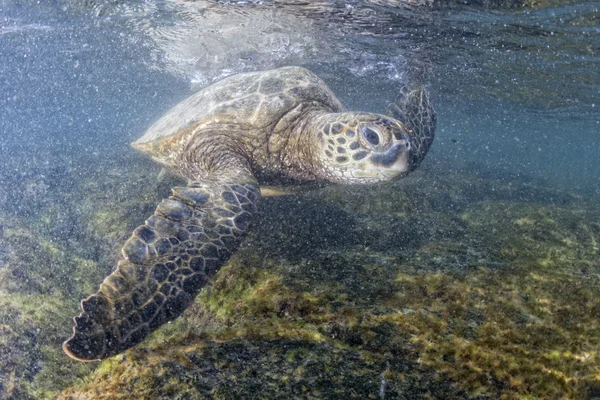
413 108
166 262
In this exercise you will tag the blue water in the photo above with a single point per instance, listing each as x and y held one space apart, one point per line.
517 90
70 83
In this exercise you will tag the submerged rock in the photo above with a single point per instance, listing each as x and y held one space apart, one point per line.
56 246
430 290
37 280
443 285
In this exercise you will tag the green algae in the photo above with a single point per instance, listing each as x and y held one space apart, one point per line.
266 370
32 334
37 284
499 305
34 264
525 325
51 256
437 287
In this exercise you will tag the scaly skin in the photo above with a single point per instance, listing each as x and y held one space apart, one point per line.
287 126
166 262
413 107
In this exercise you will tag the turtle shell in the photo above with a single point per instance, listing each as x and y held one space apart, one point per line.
253 103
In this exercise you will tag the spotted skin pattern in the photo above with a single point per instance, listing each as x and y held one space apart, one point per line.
365 147
338 134
167 261
343 140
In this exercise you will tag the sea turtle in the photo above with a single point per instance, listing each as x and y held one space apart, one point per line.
283 125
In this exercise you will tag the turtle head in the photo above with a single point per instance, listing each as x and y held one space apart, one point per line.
362 147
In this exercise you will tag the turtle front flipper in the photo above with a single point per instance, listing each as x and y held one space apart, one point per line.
166 262
413 108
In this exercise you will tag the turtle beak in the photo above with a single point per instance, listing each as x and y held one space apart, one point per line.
395 155
390 162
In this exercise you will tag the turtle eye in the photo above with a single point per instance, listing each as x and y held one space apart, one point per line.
371 136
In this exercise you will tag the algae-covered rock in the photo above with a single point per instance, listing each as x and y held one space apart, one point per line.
37 279
276 369
32 365
253 336
447 284
561 238
59 231
432 290
34 264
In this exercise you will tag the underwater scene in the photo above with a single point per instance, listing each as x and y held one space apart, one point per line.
429 224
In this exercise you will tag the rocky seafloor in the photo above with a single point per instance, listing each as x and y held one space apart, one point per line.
444 285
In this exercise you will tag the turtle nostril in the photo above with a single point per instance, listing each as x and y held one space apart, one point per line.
399 135
403 137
